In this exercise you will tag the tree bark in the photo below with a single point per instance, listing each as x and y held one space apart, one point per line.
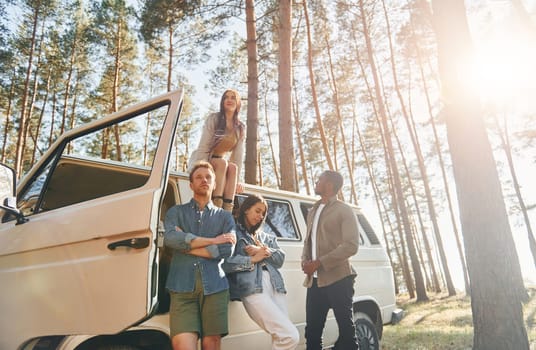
341 126
325 145
496 285
252 124
8 113
19 152
39 122
272 152
505 142
419 282
378 198
301 151
427 247
287 160
115 87
437 146
420 162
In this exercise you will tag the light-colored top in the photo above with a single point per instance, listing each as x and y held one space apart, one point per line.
209 141
337 239
313 234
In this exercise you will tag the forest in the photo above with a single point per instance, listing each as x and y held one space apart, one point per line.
426 107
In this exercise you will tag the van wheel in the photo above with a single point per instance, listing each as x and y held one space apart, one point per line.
366 333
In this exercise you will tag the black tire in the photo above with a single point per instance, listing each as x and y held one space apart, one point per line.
366 333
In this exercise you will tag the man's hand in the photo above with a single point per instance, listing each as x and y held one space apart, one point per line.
228 237
310 266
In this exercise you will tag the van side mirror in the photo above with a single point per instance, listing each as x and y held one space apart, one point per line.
8 199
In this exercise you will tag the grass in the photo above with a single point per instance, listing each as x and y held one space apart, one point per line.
443 323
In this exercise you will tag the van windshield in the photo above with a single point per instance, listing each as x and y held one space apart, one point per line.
100 162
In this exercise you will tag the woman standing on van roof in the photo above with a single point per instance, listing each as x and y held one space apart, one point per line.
254 277
223 133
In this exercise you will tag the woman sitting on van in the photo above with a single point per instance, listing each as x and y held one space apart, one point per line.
254 277
223 133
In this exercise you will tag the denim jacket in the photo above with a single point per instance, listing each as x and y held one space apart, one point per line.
210 222
245 278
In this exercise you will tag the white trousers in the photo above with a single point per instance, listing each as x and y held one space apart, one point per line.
269 310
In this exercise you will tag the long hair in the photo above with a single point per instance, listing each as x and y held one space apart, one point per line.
249 202
238 125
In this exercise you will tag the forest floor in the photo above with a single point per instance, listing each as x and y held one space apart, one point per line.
443 323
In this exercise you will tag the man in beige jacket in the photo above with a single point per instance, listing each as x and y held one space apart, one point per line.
332 238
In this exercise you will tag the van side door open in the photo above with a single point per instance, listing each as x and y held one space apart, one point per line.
85 260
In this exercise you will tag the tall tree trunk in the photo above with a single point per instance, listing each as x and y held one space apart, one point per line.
420 249
66 94
39 122
272 153
287 160
19 152
497 290
74 96
442 166
325 143
427 247
250 166
170 57
8 113
419 282
420 161
115 87
52 115
301 152
261 174
341 126
401 232
505 142
401 254
31 106
377 195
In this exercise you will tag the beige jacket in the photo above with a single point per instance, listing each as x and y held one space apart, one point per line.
208 141
337 239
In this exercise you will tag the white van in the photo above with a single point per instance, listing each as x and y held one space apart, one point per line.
82 264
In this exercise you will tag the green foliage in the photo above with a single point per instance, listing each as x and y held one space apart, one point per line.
112 22
158 16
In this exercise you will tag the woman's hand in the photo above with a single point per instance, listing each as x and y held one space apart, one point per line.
251 249
254 249
260 255
239 187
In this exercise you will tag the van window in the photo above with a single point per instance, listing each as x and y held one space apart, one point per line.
71 176
280 221
369 231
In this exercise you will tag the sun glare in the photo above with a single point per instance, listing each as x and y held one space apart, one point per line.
503 69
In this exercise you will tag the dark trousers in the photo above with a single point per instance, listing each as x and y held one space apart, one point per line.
337 296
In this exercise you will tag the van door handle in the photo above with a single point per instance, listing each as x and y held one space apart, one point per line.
136 243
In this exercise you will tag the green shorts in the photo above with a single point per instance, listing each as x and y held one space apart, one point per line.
195 312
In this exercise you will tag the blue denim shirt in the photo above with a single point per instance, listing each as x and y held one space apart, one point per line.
210 222
245 278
